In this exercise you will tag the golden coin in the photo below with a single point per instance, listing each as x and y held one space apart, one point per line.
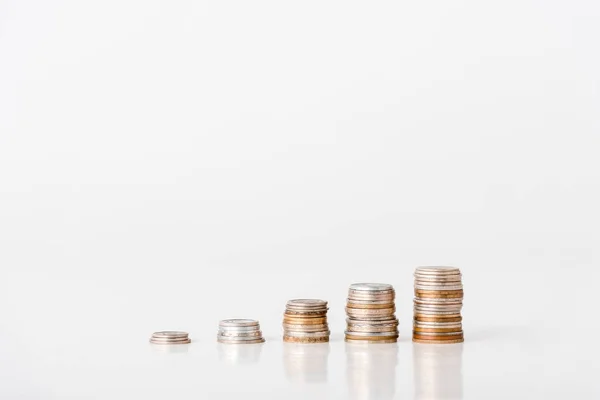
304 321
420 318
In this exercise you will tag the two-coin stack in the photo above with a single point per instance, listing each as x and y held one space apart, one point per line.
239 331
170 337
371 313
437 305
305 321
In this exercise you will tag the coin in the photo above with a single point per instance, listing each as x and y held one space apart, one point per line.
236 322
261 340
304 321
186 341
353 341
350 304
370 287
170 334
442 270
369 312
293 339
438 341
353 336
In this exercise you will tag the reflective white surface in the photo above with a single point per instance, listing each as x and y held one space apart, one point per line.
168 164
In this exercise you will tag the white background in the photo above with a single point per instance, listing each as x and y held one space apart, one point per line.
166 164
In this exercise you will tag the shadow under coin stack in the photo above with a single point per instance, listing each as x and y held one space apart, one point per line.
170 337
371 313
437 305
305 321
239 331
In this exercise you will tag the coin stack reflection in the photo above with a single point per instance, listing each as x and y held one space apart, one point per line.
170 337
371 315
239 331
371 371
306 364
437 305
305 321
437 372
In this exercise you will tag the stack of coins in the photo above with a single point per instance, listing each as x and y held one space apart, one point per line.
305 321
437 305
170 337
371 313
239 331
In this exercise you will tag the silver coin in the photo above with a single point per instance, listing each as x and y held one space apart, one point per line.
371 287
239 328
307 303
238 322
437 270
370 302
184 341
170 334
351 333
434 313
240 334
427 300
438 288
238 338
438 283
261 340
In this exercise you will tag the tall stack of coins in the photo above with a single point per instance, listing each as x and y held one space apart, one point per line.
239 331
371 313
305 321
170 337
437 305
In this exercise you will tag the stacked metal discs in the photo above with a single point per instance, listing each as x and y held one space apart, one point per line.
239 331
305 321
170 337
437 305
371 313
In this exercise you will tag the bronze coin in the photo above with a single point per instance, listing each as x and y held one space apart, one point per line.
434 337
439 293
435 319
371 341
437 330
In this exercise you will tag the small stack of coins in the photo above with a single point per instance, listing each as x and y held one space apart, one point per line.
239 331
305 321
437 305
170 337
371 313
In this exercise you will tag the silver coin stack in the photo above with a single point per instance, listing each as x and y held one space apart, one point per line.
239 331
305 321
371 313
437 305
170 337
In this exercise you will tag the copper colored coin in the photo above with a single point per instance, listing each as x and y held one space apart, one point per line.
438 337
370 312
438 341
309 314
437 330
291 339
459 292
